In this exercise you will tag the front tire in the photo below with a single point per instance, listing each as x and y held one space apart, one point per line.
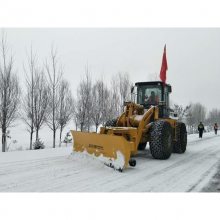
161 140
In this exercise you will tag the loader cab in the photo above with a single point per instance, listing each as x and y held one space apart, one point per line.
154 93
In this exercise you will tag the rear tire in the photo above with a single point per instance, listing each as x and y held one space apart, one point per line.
111 123
181 135
161 140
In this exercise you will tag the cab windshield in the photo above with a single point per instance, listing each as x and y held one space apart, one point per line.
149 95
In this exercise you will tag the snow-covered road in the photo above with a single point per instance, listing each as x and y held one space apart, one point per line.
57 170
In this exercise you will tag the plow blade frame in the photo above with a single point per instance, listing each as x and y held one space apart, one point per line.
108 146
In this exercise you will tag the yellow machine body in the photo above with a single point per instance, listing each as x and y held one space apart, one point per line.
147 120
132 128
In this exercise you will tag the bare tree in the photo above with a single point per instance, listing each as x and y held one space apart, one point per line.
88 95
199 112
124 88
119 93
66 106
196 113
114 99
84 102
190 120
28 100
9 92
76 116
106 107
40 101
100 103
181 111
213 117
97 103
54 77
79 113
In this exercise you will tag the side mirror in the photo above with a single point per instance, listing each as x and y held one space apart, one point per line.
132 89
169 89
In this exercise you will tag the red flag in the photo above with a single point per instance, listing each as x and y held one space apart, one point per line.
164 67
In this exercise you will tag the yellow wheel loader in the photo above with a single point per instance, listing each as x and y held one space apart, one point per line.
147 119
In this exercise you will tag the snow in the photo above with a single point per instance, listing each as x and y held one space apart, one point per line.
117 163
60 170
20 137
120 161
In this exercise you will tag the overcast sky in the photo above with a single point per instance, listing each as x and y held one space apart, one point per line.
193 56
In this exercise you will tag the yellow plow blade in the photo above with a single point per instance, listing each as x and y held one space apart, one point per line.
114 148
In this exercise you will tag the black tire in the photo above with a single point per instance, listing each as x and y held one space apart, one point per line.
142 146
179 146
111 123
161 140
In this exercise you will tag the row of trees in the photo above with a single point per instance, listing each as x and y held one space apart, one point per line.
9 92
96 102
45 99
195 113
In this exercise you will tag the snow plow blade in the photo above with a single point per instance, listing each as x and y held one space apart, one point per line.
114 150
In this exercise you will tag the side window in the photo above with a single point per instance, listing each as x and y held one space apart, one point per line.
166 96
139 95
